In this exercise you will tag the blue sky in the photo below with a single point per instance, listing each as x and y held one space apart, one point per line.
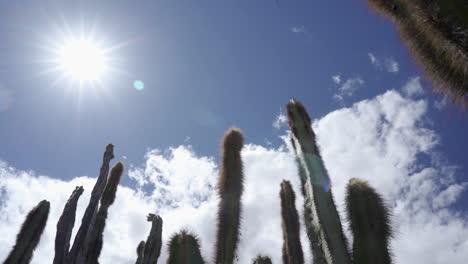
206 66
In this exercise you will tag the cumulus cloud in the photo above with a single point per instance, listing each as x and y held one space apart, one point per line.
280 121
389 64
381 140
336 79
413 87
348 88
299 29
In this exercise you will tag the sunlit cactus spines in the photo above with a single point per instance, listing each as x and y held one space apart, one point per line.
321 216
262 260
230 188
29 234
77 253
95 239
436 33
184 248
370 223
153 243
140 250
65 227
292 249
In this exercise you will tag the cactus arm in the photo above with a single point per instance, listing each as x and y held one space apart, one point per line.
316 188
29 235
65 227
76 255
370 223
230 188
292 249
140 250
153 244
184 248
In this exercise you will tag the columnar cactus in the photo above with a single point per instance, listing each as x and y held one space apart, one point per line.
140 250
436 33
262 260
65 227
184 248
370 223
292 249
321 215
29 235
152 246
230 187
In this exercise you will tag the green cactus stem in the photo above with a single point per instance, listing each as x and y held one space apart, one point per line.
153 243
321 216
93 246
262 260
292 249
230 188
370 223
77 254
29 235
65 227
140 249
184 248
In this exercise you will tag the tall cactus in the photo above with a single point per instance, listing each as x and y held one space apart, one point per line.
262 260
94 239
321 217
370 223
65 227
436 33
153 244
292 249
184 248
230 188
77 254
140 250
29 235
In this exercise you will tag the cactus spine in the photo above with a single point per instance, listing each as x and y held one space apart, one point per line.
292 249
230 187
29 235
262 260
370 223
94 244
65 227
184 248
318 198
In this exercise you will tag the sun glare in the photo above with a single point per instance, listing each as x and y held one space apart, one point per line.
82 60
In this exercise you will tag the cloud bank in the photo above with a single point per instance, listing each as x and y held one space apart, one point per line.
383 140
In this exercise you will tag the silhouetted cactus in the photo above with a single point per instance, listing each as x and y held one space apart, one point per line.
436 33
77 253
230 187
65 227
321 216
370 223
153 243
140 250
262 260
184 248
292 249
94 239
29 235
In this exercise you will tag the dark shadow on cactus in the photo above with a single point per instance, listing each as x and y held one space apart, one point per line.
29 235
140 249
230 188
184 248
262 260
292 249
369 220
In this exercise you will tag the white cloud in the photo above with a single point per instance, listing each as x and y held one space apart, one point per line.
439 104
280 121
379 140
299 29
336 79
348 88
413 87
389 64
373 59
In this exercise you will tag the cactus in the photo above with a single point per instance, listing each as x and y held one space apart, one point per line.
140 250
262 260
153 244
29 235
94 240
370 223
230 187
77 254
292 249
184 248
436 33
321 215
65 227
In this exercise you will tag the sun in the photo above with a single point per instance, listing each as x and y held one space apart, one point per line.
82 59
